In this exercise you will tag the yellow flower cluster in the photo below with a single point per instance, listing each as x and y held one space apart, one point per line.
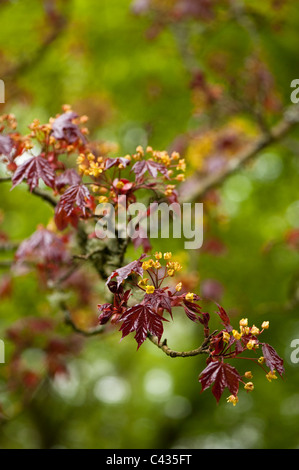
245 330
271 376
232 399
90 165
173 162
151 264
173 267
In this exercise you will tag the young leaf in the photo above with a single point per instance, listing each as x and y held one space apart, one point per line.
159 299
76 195
152 167
43 246
142 319
192 310
64 128
222 375
110 162
32 170
272 359
68 178
224 317
6 145
123 273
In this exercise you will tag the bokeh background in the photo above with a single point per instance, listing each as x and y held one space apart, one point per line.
203 78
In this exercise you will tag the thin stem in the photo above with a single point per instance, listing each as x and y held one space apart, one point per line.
203 349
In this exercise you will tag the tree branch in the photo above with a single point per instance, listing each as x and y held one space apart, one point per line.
69 321
59 23
45 196
203 349
9 246
197 186
5 263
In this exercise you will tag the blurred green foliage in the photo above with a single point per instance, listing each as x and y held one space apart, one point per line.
136 91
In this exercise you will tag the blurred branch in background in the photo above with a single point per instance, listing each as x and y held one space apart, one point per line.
196 186
58 22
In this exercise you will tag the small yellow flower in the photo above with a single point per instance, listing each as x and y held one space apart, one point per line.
145 266
226 336
80 158
170 272
265 325
236 334
168 255
251 344
180 177
261 360
142 283
248 375
178 287
249 386
119 184
82 169
232 399
149 289
103 199
140 150
181 165
254 330
271 376
243 322
158 255
168 192
245 330
189 296
157 265
175 156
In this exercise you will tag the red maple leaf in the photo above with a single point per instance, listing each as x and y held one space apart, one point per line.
222 375
142 319
272 359
192 310
123 273
115 310
32 170
64 128
159 299
224 317
43 246
110 162
152 167
68 178
76 195
6 145
62 219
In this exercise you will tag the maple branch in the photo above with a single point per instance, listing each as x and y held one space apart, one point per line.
69 321
5 263
45 196
38 192
59 23
203 349
197 186
9 246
